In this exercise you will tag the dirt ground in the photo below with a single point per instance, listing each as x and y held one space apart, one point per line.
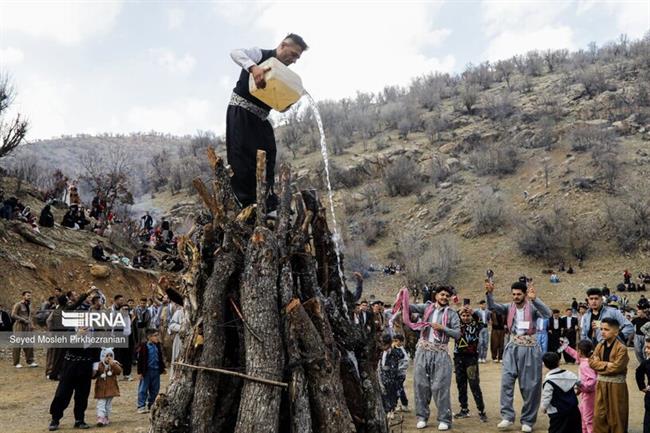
25 396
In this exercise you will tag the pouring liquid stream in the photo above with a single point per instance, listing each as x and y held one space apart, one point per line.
323 149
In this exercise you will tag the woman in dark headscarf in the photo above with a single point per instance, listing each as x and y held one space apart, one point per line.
46 219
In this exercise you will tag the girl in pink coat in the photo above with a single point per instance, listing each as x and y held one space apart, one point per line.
588 378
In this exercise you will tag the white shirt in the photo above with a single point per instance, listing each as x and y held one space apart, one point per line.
568 322
434 319
521 326
556 323
246 57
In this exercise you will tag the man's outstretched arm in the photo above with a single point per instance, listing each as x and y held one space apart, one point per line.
246 57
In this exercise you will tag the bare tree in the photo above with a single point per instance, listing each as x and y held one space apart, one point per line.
109 173
161 167
12 132
504 71
469 97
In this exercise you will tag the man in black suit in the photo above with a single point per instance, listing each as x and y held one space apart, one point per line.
554 331
363 317
569 325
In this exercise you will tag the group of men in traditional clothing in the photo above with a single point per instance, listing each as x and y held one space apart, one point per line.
605 326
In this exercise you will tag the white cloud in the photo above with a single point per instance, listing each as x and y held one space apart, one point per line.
632 18
167 59
506 44
176 117
354 46
68 23
45 103
518 27
175 18
11 56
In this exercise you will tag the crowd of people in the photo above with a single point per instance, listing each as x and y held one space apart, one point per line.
524 336
152 327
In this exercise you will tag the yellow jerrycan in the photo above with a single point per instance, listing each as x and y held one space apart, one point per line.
283 86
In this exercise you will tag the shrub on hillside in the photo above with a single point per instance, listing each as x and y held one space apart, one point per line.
480 76
583 138
425 261
434 126
497 159
371 229
504 71
342 177
544 239
629 218
593 80
469 97
356 257
488 211
499 106
439 170
402 177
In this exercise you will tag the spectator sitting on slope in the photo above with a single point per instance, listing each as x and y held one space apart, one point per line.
98 252
47 218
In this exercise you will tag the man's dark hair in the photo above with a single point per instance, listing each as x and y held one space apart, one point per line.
448 289
116 297
58 288
26 291
298 40
62 300
519 285
151 332
130 300
556 311
611 322
386 339
481 302
398 337
143 299
51 299
594 291
551 360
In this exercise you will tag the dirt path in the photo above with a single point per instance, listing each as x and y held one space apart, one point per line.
25 397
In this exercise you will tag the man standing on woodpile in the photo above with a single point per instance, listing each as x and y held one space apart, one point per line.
433 366
522 357
247 127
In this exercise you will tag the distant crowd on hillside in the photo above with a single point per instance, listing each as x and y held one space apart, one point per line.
101 219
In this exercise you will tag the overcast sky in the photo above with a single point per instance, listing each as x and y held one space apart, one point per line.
122 66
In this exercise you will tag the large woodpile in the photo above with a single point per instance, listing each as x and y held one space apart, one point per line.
268 341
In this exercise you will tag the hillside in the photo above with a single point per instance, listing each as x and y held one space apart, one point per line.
27 266
515 166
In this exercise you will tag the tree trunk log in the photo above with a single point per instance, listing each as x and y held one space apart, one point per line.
260 403
214 303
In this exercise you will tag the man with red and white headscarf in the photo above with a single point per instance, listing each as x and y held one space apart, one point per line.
433 366
522 356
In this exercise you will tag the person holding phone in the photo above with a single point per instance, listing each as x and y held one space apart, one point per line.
590 327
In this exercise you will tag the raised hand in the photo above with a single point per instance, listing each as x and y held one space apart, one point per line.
532 293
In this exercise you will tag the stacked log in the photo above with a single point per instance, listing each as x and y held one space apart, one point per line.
269 344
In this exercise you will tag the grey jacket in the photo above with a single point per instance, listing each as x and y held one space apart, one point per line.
538 309
452 328
626 327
